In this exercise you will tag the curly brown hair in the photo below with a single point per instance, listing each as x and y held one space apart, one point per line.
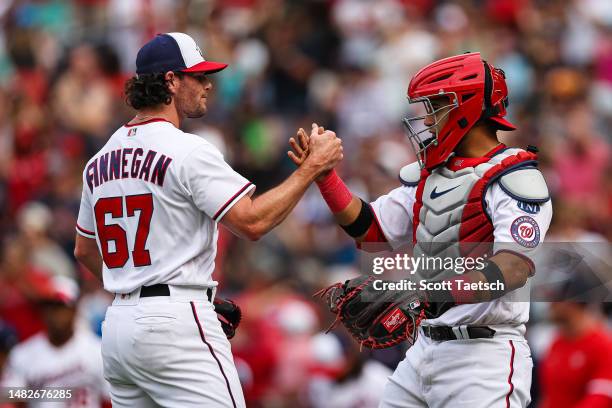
147 91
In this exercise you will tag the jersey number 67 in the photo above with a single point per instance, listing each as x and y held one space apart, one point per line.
143 203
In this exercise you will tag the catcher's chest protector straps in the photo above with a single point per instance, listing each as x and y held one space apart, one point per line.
450 205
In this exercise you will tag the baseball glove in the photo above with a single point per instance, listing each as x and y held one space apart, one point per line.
376 319
229 314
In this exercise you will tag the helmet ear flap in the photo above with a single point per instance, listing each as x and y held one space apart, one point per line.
489 83
489 110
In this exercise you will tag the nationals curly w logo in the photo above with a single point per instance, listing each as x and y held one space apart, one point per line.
525 231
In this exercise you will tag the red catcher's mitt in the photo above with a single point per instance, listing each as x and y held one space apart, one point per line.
376 319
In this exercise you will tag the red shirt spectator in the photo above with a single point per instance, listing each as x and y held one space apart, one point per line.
20 286
577 371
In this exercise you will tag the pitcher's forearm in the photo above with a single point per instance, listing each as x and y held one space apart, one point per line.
93 262
272 207
252 218
86 252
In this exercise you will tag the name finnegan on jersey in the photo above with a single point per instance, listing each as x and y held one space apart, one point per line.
127 163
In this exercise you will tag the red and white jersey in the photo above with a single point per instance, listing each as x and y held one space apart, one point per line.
152 198
76 365
451 209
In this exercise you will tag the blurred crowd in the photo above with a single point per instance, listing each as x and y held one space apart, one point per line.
344 64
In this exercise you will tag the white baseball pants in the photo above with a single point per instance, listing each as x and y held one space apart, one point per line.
168 351
475 373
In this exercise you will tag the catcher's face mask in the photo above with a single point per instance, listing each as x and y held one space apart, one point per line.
431 116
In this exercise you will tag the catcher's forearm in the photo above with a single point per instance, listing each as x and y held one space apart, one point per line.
342 203
350 212
514 272
504 273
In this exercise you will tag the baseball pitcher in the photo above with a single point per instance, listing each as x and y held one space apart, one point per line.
147 225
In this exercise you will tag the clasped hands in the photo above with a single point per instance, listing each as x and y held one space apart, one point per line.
320 151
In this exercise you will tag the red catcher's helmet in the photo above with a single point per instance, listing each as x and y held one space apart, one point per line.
474 90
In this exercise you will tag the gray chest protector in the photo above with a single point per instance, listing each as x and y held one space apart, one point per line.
449 216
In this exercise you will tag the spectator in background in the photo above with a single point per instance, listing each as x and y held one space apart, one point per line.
34 220
19 283
343 376
570 223
577 370
8 339
83 98
28 170
296 322
582 159
65 355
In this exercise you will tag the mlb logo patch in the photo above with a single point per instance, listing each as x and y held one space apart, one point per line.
393 320
132 132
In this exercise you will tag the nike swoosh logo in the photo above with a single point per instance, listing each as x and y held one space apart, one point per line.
434 194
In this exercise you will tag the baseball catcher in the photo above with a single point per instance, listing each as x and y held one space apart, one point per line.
467 195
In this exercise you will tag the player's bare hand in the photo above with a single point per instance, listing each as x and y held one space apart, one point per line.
299 146
325 150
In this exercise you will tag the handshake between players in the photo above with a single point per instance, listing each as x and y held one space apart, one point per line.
322 149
